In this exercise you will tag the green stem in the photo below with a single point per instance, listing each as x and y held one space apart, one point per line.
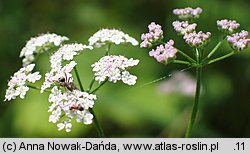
199 55
221 58
98 126
37 88
185 55
91 84
78 79
181 62
215 48
196 102
97 88
108 48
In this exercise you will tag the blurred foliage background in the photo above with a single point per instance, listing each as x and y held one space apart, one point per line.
143 110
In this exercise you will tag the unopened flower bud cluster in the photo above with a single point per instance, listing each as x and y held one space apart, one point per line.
228 26
197 40
154 35
188 13
238 41
165 52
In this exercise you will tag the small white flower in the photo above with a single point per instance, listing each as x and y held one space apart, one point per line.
22 90
17 84
113 67
55 116
66 124
88 118
105 36
85 117
39 44
34 77
127 78
54 75
70 104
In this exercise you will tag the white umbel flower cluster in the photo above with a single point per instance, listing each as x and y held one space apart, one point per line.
105 36
114 68
17 84
70 104
39 44
55 74
67 52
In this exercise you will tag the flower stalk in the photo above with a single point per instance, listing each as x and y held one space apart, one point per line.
196 102
96 122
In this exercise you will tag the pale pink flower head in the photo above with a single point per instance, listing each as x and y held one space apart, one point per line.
154 35
183 27
227 26
188 13
197 40
164 53
238 41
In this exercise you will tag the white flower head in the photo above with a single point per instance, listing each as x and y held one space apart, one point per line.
72 104
55 74
17 84
114 68
66 52
39 44
105 36
67 125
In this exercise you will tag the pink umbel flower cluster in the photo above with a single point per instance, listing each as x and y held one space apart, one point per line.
183 27
197 40
238 41
188 13
155 34
228 26
164 53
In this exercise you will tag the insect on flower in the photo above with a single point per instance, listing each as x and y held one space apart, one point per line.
77 107
66 82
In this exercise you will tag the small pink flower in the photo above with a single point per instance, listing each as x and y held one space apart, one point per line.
164 53
188 13
239 41
228 26
155 34
199 39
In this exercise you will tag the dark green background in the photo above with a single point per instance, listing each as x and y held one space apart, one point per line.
124 111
